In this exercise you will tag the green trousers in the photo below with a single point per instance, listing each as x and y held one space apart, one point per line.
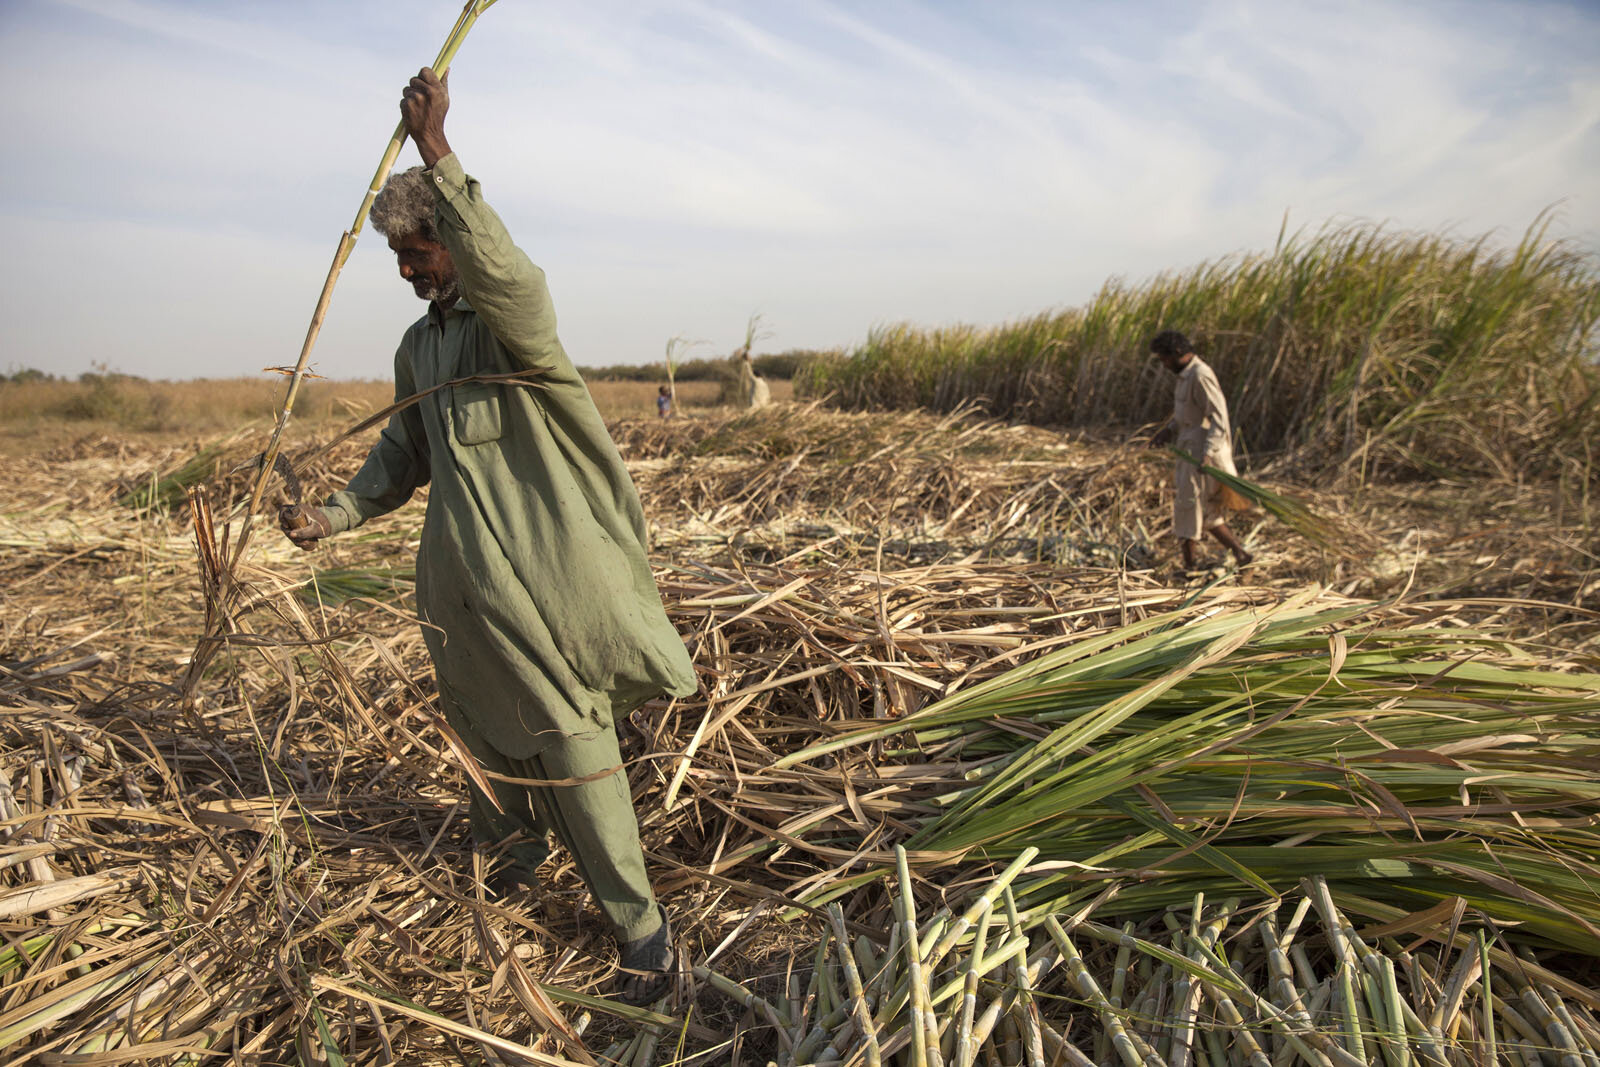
594 820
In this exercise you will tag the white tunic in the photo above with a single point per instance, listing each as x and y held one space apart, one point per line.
1200 417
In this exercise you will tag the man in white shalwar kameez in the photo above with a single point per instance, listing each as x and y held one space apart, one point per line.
1199 427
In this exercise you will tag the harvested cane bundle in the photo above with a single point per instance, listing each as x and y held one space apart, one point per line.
1198 983
1343 539
1239 752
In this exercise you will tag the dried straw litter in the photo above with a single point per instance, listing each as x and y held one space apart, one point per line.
1275 821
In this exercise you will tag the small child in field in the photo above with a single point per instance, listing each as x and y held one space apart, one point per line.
664 402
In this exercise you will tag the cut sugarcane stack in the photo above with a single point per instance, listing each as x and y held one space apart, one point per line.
1329 532
1211 985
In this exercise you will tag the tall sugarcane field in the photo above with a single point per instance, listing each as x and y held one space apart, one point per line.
975 774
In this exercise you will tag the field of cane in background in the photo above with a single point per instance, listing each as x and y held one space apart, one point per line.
1349 348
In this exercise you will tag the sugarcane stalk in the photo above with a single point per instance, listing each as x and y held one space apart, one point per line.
1185 1006
1580 1041
1147 1017
1303 970
997 957
1216 1047
1281 984
808 1000
1429 1046
889 973
1062 1052
1292 928
1178 1027
1370 1006
1010 1040
1448 1006
835 991
969 991
1344 955
924 1028
928 933
841 1040
1321 996
1027 1012
1398 1047
1554 1030
1119 983
1132 1051
1417 971
1287 1053
819 1034
1241 1031
867 966
982 904
1518 1022
645 1054
1203 942
746 998
1311 1043
790 1001
984 1027
852 977
1488 998
1396 1018
1007 1036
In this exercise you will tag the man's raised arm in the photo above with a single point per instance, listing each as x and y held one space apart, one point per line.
498 279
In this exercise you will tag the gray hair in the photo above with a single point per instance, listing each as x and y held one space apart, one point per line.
405 206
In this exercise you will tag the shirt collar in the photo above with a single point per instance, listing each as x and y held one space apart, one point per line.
437 317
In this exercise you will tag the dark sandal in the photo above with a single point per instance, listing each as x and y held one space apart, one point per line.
646 966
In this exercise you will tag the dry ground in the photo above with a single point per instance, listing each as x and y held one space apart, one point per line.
301 819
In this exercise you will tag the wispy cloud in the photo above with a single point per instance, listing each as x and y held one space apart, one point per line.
679 164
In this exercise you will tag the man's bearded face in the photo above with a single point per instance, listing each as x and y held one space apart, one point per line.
428 267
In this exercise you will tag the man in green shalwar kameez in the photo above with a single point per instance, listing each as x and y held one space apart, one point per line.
539 607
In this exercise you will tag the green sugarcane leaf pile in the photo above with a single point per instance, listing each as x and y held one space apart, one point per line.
1415 779
1247 750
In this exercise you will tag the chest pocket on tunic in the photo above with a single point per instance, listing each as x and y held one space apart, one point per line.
477 413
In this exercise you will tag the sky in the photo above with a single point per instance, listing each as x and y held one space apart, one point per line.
182 169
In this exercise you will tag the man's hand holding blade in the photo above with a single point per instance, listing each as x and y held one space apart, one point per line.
305 524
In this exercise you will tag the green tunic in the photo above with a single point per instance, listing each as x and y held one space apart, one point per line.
544 621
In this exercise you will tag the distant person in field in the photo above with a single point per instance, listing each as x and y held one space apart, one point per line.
1200 427
664 402
752 388
540 609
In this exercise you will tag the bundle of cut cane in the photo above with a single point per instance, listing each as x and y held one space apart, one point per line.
1241 751
1336 535
1196 986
